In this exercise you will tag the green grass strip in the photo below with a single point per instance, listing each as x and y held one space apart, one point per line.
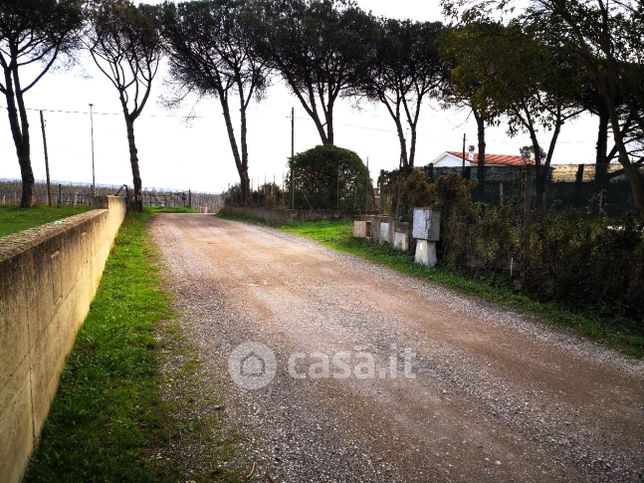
338 235
108 414
14 219
108 421
171 209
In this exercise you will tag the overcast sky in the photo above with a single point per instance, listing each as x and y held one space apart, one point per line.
180 154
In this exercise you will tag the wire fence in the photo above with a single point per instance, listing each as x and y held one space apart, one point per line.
567 186
82 194
346 194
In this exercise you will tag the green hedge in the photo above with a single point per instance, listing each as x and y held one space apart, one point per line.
328 177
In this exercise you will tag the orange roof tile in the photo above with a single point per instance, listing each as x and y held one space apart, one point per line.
494 159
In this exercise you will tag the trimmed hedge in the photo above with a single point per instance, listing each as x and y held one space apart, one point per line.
329 178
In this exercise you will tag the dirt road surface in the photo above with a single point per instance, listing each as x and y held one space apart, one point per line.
495 397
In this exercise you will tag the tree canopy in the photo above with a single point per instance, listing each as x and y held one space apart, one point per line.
586 49
33 33
125 44
328 177
315 45
212 51
401 69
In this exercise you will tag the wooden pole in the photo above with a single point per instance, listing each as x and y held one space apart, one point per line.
337 189
44 143
292 156
369 188
464 140
91 123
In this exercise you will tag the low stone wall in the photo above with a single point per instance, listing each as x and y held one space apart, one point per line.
383 229
48 278
280 216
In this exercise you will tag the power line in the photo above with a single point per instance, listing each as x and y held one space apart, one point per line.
97 113
188 117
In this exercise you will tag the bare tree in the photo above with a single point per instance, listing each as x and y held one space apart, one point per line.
33 33
124 42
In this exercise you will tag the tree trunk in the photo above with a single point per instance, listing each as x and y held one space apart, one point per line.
540 179
480 126
632 173
395 115
319 126
310 110
330 135
24 158
412 148
635 182
134 163
608 90
27 175
404 160
243 173
20 132
245 186
601 160
242 169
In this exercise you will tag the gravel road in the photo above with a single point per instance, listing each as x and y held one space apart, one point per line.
494 395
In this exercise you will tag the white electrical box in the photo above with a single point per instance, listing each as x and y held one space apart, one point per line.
427 224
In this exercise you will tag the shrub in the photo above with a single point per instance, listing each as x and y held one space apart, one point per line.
584 261
328 177
575 257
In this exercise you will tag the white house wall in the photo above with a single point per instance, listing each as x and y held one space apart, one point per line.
448 161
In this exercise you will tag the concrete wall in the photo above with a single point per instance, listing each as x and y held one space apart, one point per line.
383 229
274 215
48 278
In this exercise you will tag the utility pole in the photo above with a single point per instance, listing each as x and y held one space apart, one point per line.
369 188
337 189
292 156
464 140
44 143
91 123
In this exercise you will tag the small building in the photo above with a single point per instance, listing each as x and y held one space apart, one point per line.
454 159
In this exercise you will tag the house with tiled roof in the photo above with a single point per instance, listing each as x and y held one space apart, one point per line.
452 159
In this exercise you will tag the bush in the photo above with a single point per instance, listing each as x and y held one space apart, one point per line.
581 260
268 195
588 262
328 177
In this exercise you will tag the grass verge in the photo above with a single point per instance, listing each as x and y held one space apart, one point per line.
171 209
13 219
110 420
626 337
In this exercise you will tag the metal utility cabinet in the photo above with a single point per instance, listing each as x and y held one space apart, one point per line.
426 230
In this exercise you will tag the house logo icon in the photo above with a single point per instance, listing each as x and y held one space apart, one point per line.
252 365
